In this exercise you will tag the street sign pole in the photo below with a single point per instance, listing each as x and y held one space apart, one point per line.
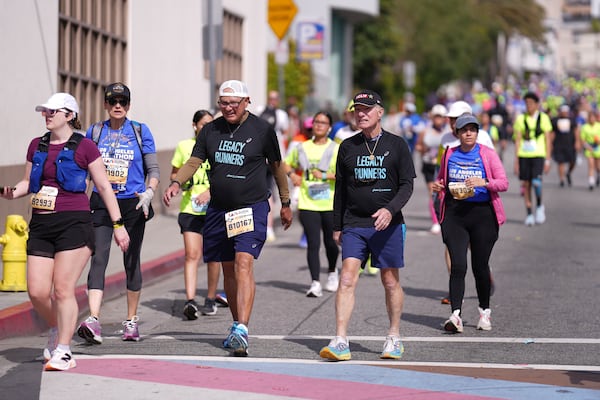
280 16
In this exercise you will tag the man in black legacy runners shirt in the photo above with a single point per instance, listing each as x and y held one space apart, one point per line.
239 147
374 180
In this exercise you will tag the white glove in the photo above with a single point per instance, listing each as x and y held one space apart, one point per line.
145 200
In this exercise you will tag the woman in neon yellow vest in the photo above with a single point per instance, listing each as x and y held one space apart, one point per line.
194 203
316 159
590 137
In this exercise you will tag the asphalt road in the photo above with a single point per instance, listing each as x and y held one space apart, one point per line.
543 310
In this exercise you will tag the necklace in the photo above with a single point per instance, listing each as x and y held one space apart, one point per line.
231 133
371 155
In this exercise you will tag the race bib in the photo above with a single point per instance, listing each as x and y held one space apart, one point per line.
563 125
116 170
319 191
460 191
529 146
239 221
45 199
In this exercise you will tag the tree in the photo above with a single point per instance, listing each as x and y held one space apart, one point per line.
447 39
297 75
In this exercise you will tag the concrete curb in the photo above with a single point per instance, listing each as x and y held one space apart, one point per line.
22 319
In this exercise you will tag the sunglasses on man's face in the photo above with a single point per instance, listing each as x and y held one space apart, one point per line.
122 102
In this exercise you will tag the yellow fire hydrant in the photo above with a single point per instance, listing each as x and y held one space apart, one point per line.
14 255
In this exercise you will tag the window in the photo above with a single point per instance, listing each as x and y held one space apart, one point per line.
92 51
230 65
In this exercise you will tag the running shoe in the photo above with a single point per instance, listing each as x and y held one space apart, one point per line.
445 300
226 343
209 307
131 332
190 309
337 350
60 361
484 323
392 348
315 290
540 215
303 243
530 220
436 229
90 330
52 342
221 300
271 235
454 323
332 282
238 340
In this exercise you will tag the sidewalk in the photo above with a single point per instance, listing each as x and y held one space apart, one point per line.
162 252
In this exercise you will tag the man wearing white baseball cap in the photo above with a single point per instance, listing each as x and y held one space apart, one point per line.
239 146
450 139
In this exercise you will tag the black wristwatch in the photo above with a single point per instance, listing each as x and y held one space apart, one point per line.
286 203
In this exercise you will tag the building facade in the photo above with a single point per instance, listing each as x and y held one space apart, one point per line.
155 47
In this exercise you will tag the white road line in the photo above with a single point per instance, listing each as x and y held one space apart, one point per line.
424 339
552 367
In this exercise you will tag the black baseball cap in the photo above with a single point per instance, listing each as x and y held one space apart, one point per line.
117 89
368 98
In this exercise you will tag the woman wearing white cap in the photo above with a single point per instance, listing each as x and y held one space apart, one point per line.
61 237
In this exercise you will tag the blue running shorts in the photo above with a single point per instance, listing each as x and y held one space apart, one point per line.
385 247
218 247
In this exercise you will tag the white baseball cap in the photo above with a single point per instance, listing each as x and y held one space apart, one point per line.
233 88
459 108
58 101
439 109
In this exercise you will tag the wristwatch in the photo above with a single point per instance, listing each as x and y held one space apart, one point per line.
286 203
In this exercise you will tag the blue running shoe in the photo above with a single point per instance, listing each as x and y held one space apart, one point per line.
338 350
238 341
392 348
221 300
226 343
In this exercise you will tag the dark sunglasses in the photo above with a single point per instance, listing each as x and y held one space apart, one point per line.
113 102
52 113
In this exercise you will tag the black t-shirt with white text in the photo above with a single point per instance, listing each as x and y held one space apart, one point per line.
238 158
364 185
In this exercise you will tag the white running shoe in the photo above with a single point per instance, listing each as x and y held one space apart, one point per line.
332 282
436 229
315 290
51 345
540 215
484 323
454 323
530 220
60 361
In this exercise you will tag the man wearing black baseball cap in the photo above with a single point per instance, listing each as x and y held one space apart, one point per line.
374 180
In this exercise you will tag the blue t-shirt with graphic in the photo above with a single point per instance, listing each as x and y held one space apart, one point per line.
123 157
463 165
